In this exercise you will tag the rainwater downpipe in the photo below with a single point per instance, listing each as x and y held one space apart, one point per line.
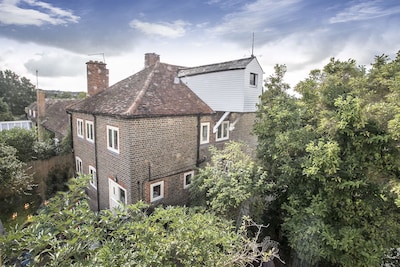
96 161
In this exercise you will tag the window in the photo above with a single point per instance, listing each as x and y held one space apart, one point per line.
113 139
205 133
34 113
223 131
89 131
117 195
187 179
253 79
93 176
79 128
78 165
156 191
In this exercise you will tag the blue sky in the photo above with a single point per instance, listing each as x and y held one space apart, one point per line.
57 38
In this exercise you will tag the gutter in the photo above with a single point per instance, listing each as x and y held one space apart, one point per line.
96 162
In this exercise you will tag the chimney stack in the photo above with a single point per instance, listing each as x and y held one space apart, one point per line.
150 59
97 77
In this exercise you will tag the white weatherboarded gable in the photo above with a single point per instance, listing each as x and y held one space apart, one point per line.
226 86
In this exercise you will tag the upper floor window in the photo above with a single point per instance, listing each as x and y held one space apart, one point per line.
204 133
89 131
93 176
187 179
78 165
223 131
113 138
79 128
253 79
156 191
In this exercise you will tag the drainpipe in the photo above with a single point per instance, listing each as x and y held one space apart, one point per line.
96 161
198 140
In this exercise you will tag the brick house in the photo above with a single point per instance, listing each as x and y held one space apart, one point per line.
144 137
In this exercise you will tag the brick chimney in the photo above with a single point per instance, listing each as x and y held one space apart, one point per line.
41 112
97 77
151 59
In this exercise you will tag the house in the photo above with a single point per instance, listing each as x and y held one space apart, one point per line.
50 115
144 137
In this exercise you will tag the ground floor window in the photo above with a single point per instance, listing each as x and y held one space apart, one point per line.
187 178
117 194
156 191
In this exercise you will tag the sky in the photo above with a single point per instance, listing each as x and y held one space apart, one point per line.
49 41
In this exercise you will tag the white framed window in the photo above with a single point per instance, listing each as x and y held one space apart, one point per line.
34 114
30 112
223 131
79 128
156 191
204 132
89 131
78 165
93 176
117 194
253 79
187 179
113 138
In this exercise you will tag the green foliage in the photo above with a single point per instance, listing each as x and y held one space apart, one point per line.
334 154
5 113
66 233
17 92
231 184
22 140
13 178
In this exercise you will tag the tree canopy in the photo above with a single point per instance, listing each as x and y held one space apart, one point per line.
67 233
334 153
18 92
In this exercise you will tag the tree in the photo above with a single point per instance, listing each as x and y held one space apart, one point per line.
17 92
66 232
5 113
23 140
13 178
334 153
231 183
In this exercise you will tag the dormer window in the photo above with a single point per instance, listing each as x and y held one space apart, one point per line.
253 79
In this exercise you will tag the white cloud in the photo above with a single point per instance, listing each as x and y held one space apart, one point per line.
364 11
165 29
38 14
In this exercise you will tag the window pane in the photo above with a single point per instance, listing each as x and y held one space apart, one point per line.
156 191
110 136
115 139
122 195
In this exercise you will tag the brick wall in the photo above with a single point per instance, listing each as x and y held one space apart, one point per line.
97 77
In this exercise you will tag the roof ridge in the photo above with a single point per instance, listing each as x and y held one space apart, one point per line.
142 91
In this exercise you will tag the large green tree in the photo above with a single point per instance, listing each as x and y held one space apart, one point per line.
13 178
18 92
5 113
334 152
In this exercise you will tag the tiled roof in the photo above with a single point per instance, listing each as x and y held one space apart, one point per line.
154 91
56 119
223 66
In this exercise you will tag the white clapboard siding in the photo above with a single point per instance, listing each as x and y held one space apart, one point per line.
252 93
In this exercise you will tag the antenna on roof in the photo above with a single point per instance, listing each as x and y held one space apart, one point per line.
252 47
99 54
37 79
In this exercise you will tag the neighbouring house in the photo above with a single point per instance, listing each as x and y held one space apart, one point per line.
144 137
48 114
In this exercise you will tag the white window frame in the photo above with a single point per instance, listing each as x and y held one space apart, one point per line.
112 147
89 131
185 180
220 131
79 128
78 165
34 114
93 176
152 186
207 124
116 202
253 79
